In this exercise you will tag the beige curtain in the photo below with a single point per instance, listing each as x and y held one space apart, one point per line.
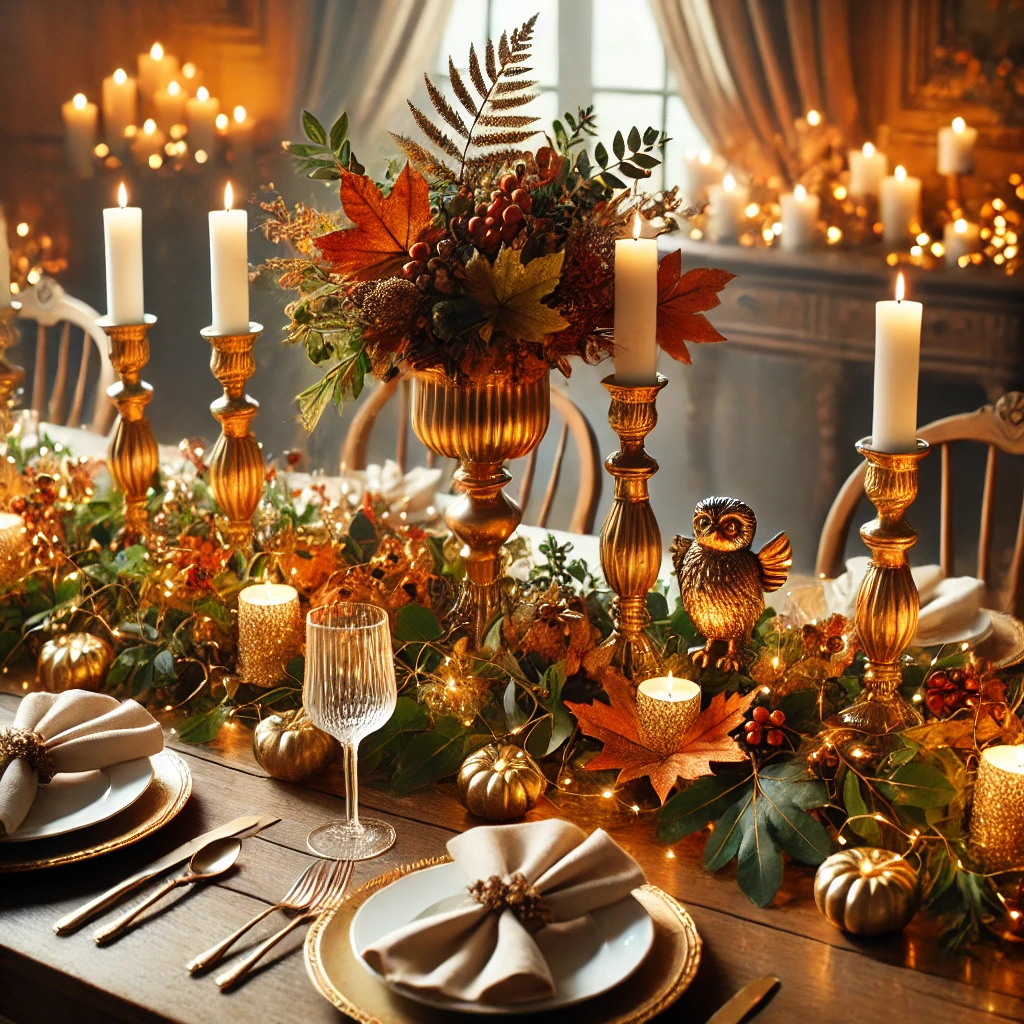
748 68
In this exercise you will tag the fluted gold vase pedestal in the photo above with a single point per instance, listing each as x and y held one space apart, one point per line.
10 377
235 462
887 601
630 538
132 457
483 424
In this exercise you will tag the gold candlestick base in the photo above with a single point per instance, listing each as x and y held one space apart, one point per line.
10 377
236 464
887 601
132 457
630 539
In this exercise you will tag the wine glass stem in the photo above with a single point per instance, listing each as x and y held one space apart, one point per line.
350 754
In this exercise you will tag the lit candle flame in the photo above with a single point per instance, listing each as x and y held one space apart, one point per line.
868 149
120 76
959 124
729 183
228 196
122 196
79 101
188 70
813 118
156 51
704 156
636 225
221 121
150 126
901 287
202 94
173 89
239 114
960 226
800 193
900 174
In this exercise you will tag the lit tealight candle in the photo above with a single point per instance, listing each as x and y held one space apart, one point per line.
201 116
269 632
959 239
897 361
666 708
955 153
120 97
867 169
13 548
122 243
997 816
636 309
79 133
229 268
726 205
899 206
799 218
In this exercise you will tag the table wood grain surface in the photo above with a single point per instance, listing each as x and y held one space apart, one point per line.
826 976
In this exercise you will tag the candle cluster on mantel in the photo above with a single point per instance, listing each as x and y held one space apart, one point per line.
163 112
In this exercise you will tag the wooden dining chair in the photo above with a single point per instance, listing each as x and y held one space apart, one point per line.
574 426
1000 428
70 323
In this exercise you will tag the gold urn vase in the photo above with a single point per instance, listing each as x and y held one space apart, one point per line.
483 424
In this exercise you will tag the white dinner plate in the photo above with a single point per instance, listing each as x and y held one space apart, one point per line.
972 633
625 934
74 800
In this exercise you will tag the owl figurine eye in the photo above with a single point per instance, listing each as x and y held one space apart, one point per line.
703 522
730 527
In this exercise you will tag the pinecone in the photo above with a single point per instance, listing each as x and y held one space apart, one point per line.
391 306
949 689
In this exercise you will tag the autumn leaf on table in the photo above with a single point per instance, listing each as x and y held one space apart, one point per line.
681 303
385 226
509 294
616 726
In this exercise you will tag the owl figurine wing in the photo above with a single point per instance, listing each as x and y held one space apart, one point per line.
776 559
678 549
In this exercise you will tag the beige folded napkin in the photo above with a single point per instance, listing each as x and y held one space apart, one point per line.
490 952
412 492
74 731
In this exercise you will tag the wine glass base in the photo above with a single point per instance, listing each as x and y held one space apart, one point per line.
339 840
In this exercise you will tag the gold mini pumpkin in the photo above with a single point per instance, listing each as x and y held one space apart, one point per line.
500 782
290 747
867 891
74 661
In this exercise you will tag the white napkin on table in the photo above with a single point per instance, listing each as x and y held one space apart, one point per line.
81 731
411 492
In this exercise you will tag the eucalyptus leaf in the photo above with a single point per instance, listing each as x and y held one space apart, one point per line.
339 133
313 128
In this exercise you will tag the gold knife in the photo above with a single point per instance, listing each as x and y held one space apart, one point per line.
744 1001
248 824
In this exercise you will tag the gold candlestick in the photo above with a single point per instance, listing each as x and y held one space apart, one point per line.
887 601
10 377
133 458
630 539
236 464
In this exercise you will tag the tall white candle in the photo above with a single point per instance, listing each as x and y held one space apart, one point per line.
955 153
156 71
960 238
119 107
122 245
5 263
726 204
201 116
799 218
867 169
169 105
636 309
897 360
79 133
899 206
229 268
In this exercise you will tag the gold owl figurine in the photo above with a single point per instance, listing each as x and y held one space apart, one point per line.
721 581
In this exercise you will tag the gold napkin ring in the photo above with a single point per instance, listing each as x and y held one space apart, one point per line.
24 743
516 895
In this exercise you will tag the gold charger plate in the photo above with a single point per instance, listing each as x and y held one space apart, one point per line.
662 978
165 796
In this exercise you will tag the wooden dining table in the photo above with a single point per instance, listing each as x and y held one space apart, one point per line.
825 975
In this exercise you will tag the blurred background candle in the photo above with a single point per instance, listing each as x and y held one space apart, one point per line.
956 148
897 361
148 145
240 132
122 246
229 268
156 71
666 708
120 100
960 238
799 218
726 204
269 632
997 816
867 169
696 175
169 105
201 113
636 308
899 206
191 78
79 133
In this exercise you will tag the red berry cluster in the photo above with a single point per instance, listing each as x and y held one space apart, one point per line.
499 221
764 727
428 269
947 690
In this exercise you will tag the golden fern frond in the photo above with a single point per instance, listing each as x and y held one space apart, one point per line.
504 53
496 160
518 71
450 115
516 85
476 74
436 136
511 138
460 90
423 160
492 67
506 120
511 102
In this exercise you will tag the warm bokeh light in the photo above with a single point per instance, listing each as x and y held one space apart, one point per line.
202 94
150 126
122 196
221 121
923 239
840 192
79 101
239 114
229 196
22 229
201 156
188 69
704 156
729 183
156 161
813 118
173 89
868 149
752 210
101 150
834 235
33 276
120 76
901 287
156 51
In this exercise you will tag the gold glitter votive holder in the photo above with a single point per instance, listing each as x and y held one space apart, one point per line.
666 709
14 548
269 632
997 815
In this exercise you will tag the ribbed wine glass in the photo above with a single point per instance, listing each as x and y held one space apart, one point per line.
349 692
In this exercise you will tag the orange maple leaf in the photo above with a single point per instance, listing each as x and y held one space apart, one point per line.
616 726
682 300
386 226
